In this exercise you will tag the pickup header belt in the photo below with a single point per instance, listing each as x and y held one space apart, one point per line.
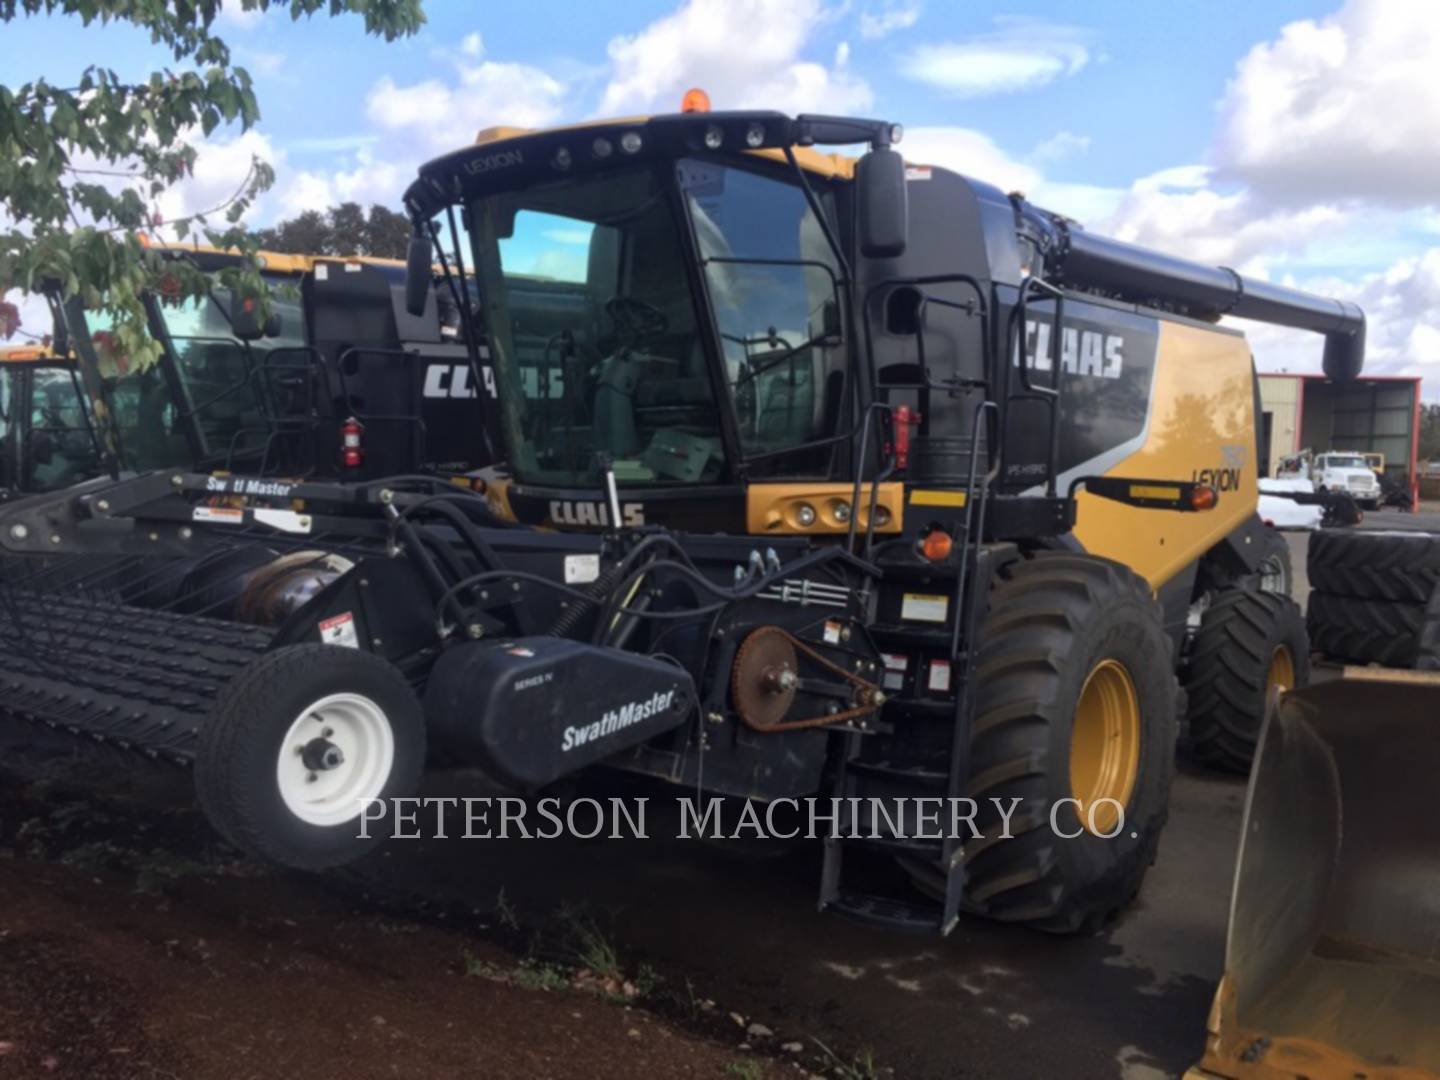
132 678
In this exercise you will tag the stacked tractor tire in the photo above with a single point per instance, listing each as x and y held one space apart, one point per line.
1375 597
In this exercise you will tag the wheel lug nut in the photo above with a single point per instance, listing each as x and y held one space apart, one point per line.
327 732
309 777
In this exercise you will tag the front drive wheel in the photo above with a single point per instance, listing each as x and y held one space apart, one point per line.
1077 711
299 744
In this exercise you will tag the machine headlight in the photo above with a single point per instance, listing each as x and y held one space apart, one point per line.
805 515
631 142
755 136
601 148
562 158
841 510
714 137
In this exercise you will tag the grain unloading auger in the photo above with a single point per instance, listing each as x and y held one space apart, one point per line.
819 476
1332 967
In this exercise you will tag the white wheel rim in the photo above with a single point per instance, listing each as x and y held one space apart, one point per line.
336 793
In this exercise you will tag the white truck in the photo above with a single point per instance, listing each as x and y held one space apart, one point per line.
1338 472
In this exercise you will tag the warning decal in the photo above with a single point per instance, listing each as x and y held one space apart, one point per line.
340 630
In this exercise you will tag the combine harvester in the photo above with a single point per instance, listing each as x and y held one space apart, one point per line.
229 394
812 476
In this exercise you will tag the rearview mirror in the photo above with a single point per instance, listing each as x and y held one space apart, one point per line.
418 274
883 214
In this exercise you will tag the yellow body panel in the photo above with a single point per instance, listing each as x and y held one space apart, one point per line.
772 509
25 353
1202 420
280 262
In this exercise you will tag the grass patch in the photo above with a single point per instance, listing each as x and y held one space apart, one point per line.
533 975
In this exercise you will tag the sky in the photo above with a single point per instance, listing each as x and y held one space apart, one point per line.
1295 140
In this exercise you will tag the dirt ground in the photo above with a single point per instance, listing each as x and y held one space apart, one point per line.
131 945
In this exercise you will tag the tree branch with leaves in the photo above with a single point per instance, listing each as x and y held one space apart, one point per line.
82 167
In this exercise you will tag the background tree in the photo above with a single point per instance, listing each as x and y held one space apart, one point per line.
81 166
344 230
1430 432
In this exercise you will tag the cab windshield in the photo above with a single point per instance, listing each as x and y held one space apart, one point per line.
599 345
1345 462
594 333
203 400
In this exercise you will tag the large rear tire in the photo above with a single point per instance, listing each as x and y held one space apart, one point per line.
1077 704
297 745
1249 644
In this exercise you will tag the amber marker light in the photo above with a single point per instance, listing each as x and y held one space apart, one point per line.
695 100
1203 497
937 545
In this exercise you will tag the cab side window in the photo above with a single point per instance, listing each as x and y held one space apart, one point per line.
61 448
774 288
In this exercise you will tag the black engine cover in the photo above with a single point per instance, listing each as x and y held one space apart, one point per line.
531 710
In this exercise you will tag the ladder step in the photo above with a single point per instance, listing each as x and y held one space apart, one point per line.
900 773
937 639
887 913
939 708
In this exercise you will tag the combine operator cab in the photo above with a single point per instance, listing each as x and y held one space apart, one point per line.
47 434
341 381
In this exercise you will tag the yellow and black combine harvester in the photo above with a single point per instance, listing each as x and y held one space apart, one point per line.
806 476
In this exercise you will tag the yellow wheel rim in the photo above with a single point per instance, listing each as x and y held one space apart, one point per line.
1105 746
1281 675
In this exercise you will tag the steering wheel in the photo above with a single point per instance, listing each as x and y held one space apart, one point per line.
635 320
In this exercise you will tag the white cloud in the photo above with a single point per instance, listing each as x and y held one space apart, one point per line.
233 14
1061 145
434 116
971 152
371 181
221 166
744 53
261 62
1020 54
35 321
1343 107
891 16
472 45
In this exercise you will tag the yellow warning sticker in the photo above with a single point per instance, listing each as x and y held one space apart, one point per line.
923 607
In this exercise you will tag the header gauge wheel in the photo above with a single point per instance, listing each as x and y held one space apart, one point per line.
299 745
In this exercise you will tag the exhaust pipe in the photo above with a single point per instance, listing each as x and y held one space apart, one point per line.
1133 273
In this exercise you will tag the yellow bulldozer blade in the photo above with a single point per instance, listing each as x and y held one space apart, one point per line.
1332 966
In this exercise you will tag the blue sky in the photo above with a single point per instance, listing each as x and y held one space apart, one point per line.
1295 139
